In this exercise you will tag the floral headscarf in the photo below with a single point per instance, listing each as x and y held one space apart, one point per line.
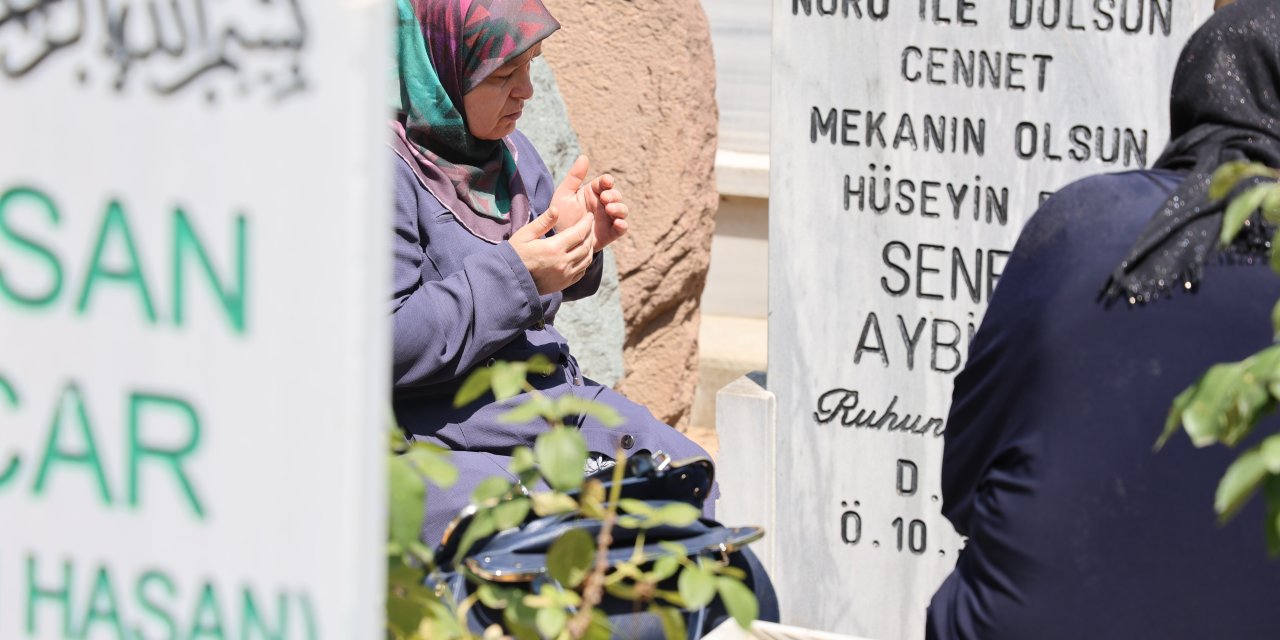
444 49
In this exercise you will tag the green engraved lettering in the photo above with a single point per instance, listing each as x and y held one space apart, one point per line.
170 458
153 608
42 254
86 458
59 596
115 224
206 622
255 627
102 608
11 469
187 247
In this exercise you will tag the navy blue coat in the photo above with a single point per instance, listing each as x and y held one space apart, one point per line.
1076 527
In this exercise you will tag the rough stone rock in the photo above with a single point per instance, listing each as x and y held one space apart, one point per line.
638 79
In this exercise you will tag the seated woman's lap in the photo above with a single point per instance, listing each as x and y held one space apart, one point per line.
639 432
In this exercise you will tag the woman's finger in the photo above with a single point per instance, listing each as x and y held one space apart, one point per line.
575 235
584 261
538 227
617 210
575 179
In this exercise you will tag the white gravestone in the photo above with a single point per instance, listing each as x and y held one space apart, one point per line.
911 140
194 260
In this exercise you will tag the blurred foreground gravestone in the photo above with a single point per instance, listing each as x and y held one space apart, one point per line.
194 259
910 143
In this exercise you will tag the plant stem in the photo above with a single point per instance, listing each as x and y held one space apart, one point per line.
465 608
593 591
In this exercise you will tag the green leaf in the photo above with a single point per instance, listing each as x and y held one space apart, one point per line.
440 624
673 626
1231 174
1206 416
591 499
1239 211
664 568
647 516
637 507
600 628
494 597
1275 316
677 514
400 574
1271 489
738 601
476 385
434 465
550 503
1271 205
397 442
482 526
520 619
510 513
671 597
571 405
697 587
1176 412
490 488
404 616
674 548
1252 400
406 598
522 460
551 621
631 522
1275 253
508 379
621 591
408 506
562 457
532 409
1270 450
540 365
1238 484
570 558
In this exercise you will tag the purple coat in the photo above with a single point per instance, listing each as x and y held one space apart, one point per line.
460 303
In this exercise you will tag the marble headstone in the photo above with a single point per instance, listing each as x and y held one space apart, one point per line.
911 140
195 261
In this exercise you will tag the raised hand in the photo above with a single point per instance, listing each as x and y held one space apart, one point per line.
559 261
599 199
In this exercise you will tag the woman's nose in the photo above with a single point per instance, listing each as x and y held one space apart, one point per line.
524 88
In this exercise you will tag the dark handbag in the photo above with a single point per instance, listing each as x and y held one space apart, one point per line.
518 556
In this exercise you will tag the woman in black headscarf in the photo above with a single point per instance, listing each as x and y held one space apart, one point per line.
1224 108
1076 527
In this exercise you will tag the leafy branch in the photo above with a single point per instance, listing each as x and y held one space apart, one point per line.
564 602
1225 405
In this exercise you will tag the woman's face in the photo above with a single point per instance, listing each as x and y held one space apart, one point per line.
494 106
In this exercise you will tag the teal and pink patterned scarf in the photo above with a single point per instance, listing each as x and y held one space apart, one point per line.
444 49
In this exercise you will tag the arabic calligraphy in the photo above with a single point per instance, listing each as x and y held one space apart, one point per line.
165 46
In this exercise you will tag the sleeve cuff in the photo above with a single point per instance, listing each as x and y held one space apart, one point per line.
523 280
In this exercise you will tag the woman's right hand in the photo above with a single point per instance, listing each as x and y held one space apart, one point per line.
560 260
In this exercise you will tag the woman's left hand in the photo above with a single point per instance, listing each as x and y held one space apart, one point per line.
599 198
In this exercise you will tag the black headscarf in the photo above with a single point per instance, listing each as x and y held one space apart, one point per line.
1225 106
